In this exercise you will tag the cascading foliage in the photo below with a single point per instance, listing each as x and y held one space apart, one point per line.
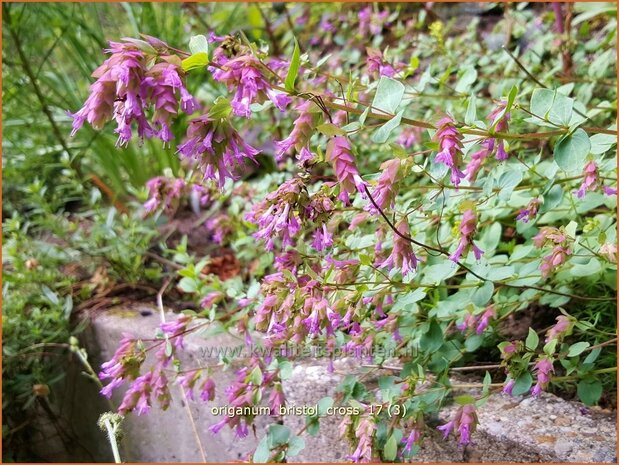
423 194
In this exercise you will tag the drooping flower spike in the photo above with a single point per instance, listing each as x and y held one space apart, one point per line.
468 226
218 150
450 145
245 77
339 154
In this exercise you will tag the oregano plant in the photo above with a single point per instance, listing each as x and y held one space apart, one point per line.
395 201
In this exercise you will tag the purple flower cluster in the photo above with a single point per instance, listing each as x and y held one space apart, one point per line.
276 216
543 368
166 191
217 148
300 135
376 64
371 22
463 424
477 323
591 181
527 214
402 255
499 120
364 432
468 226
243 75
125 364
450 144
246 391
128 84
562 328
409 136
339 154
385 191
560 250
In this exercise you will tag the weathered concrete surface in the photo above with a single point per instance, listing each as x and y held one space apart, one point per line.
167 436
547 429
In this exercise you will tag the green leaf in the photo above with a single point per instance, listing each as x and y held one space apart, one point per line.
487 382
278 435
571 150
473 342
199 60
220 109
293 70
592 357
403 302
391 449
483 294
432 340
589 391
602 143
541 102
469 76
523 384
592 267
381 135
388 95
577 349
295 446
471 110
330 130
255 377
508 181
262 453
464 399
324 404
532 340
198 44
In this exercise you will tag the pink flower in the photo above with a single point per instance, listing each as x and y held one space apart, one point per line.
478 158
165 191
484 320
187 381
244 75
323 239
339 154
543 368
275 215
376 64
385 191
450 143
402 255
463 423
557 257
364 433
526 214
125 364
411 439
128 84
561 328
609 251
509 386
218 149
467 231
409 135
207 392
300 135
163 86
175 329
143 391
499 119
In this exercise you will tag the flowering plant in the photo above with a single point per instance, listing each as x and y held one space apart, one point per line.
391 219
